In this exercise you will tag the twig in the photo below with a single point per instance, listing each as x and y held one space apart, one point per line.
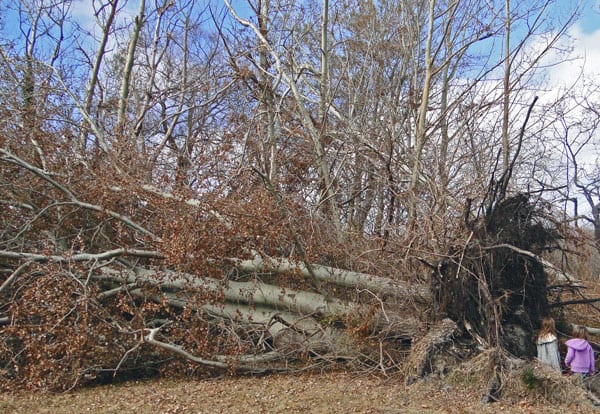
150 339
112 292
14 275
124 358
462 255
379 300
574 302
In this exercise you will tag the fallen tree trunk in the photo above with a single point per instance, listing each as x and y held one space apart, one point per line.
256 293
261 296
294 322
289 331
376 284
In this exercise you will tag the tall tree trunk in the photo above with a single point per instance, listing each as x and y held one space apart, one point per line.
324 98
421 131
93 81
506 88
129 61
268 154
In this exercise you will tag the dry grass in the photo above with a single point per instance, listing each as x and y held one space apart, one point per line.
307 393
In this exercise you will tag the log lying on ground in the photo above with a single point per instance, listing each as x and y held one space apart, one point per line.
376 284
247 292
277 296
288 331
262 296
293 321
296 321
341 277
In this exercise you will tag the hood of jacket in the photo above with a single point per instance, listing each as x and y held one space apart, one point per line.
578 344
545 339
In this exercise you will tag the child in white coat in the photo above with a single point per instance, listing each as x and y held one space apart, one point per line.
547 344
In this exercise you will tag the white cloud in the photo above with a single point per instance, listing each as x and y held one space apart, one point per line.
583 59
83 13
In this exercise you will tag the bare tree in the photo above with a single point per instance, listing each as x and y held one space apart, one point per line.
575 128
263 188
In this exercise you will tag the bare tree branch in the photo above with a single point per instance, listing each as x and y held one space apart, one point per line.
9 157
238 364
560 274
81 257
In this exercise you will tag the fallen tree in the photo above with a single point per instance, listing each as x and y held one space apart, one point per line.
130 278
291 319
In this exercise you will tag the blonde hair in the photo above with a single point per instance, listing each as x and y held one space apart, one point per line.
580 332
548 326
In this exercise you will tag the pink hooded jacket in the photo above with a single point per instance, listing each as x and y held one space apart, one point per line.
580 356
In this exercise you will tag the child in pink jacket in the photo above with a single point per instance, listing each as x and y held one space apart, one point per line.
580 356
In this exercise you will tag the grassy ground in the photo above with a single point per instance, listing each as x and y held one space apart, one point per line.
307 393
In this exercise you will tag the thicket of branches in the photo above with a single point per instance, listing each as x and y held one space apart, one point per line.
204 188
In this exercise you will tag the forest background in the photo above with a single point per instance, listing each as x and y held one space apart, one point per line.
265 186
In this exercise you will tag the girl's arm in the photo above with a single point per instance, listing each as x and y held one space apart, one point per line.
569 357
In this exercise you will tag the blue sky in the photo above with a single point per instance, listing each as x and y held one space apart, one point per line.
585 36
585 32
590 20
588 23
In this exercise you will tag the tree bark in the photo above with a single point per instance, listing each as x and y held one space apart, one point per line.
421 130
376 284
255 293
126 79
